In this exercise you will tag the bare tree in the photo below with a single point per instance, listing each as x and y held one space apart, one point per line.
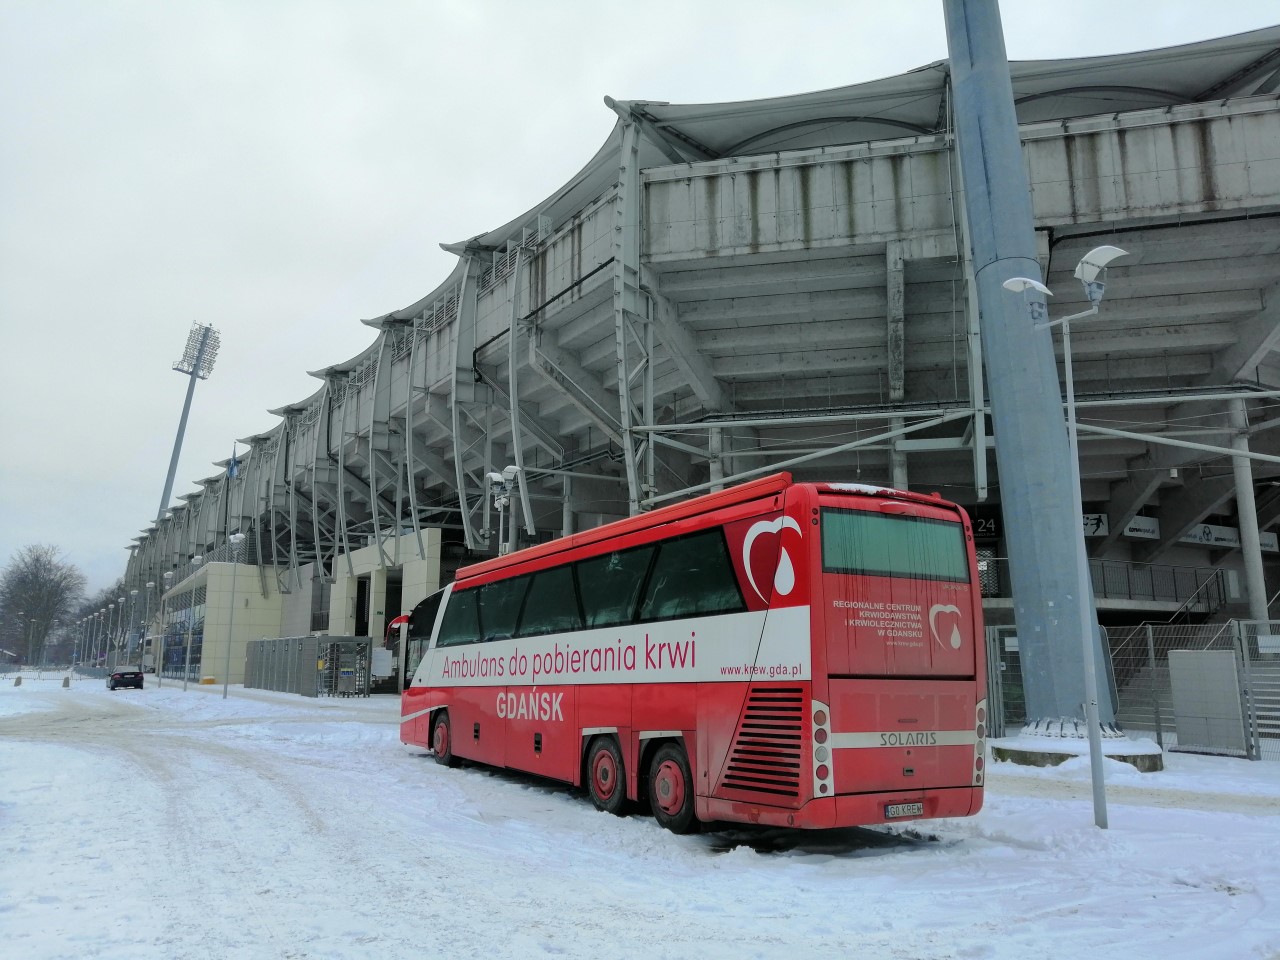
37 587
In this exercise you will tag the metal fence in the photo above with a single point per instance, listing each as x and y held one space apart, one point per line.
310 666
1205 587
1142 684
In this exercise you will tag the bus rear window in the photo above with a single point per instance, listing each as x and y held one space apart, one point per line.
885 545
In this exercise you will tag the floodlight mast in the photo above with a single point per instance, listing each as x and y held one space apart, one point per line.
197 363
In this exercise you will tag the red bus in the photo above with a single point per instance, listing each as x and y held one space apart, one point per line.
792 654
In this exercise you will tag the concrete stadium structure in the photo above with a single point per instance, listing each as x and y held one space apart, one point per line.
726 290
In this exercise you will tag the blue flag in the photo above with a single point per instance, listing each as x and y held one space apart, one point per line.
233 466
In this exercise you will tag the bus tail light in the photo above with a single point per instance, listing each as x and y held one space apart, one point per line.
979 742
823 758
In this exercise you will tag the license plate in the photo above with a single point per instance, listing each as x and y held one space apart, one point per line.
893 810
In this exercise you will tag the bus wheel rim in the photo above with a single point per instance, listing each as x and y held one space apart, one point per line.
604 775
670 787
440 743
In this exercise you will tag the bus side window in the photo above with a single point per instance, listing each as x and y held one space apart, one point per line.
692 576
552 604
423 618
499 605
610 586
460 624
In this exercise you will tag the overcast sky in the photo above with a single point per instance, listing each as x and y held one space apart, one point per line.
282 170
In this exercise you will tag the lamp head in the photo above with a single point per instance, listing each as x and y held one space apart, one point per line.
1029 288
1091 271
1023 284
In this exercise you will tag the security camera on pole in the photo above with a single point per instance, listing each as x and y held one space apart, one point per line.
501 486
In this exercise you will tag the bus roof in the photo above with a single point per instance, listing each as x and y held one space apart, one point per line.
742 493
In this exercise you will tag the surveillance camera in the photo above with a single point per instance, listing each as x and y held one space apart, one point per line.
493 477
511 472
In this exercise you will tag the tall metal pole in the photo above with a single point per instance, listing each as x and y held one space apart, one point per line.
186 657
236 539
133 612
197 364
1032 452
1085 599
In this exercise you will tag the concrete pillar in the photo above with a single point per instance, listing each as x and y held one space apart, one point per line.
1031 441
1247 512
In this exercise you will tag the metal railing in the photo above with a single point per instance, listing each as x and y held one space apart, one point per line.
1144 690
1202 587
1207 599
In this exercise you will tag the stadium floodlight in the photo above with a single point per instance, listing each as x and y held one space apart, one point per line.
197 363
200 353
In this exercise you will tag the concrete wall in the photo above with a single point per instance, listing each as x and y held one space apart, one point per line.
295 607
255 617
419 579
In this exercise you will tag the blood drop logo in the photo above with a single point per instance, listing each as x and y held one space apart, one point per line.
784 574
949 614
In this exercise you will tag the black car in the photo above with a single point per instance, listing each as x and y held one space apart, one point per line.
125 677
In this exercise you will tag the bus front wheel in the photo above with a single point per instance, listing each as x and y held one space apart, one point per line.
442 740
671 789
606 781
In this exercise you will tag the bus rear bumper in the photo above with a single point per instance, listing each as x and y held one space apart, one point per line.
849 810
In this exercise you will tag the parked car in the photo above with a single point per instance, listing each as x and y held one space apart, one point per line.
125 677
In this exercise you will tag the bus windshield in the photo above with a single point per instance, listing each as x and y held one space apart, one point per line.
887 545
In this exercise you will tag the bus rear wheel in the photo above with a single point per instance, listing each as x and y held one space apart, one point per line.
442 741
671 789
606 780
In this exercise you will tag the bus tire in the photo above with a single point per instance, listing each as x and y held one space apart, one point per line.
442 740
606 777
671 789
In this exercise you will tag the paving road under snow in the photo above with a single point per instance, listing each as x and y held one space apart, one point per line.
163 824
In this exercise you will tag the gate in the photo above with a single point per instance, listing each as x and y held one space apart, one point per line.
310 666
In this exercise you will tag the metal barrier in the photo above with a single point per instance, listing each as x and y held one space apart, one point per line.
310 666
1143 685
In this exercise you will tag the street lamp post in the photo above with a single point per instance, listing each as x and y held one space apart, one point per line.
146 623
133 612
110 632
236 540
120 631
186 657
167 578
1089 272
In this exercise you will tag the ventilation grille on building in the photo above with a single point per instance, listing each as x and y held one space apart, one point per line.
766 753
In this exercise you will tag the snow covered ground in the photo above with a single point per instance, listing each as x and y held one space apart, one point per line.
157 824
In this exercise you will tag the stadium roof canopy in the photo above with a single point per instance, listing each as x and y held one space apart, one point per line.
909 104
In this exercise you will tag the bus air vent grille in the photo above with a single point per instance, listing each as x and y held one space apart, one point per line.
766 753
